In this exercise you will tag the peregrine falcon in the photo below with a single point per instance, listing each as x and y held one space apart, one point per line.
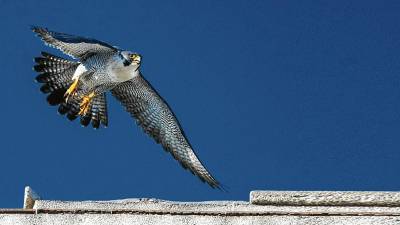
79 88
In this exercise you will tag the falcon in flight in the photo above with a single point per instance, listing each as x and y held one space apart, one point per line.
79 88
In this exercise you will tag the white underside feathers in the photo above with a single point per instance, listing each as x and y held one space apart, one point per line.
79 71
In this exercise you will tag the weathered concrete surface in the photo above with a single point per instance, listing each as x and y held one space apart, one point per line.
211 207
125 219
271 208
325 198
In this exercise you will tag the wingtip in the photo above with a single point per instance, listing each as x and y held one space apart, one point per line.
214 184
222 188
34 28
39 30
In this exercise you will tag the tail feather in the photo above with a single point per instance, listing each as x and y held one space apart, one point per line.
73 108
55 75
85 119
97 112
63 108
56 97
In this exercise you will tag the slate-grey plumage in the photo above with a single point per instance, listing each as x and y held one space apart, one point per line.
79 88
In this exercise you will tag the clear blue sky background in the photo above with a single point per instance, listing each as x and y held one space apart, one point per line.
288 95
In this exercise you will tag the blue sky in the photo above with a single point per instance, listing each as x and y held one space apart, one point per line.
273 95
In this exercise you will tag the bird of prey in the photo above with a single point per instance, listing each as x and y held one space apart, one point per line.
79 88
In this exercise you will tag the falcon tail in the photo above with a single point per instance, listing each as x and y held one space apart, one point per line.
55 73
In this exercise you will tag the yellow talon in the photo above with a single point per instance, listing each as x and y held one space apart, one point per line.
84 106
71 90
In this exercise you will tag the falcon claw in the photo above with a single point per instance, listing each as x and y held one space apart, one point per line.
71 90
84 106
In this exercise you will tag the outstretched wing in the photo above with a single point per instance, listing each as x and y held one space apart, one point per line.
156 118
75 46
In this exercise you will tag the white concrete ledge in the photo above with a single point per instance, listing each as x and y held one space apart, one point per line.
265 207
325 198
212 208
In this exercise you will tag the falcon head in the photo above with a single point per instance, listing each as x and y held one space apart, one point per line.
131 59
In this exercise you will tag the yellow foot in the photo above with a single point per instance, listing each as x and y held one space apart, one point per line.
84 106
71 90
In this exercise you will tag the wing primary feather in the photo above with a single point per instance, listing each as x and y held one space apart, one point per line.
156 118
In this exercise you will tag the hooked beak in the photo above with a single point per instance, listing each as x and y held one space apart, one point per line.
135 58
